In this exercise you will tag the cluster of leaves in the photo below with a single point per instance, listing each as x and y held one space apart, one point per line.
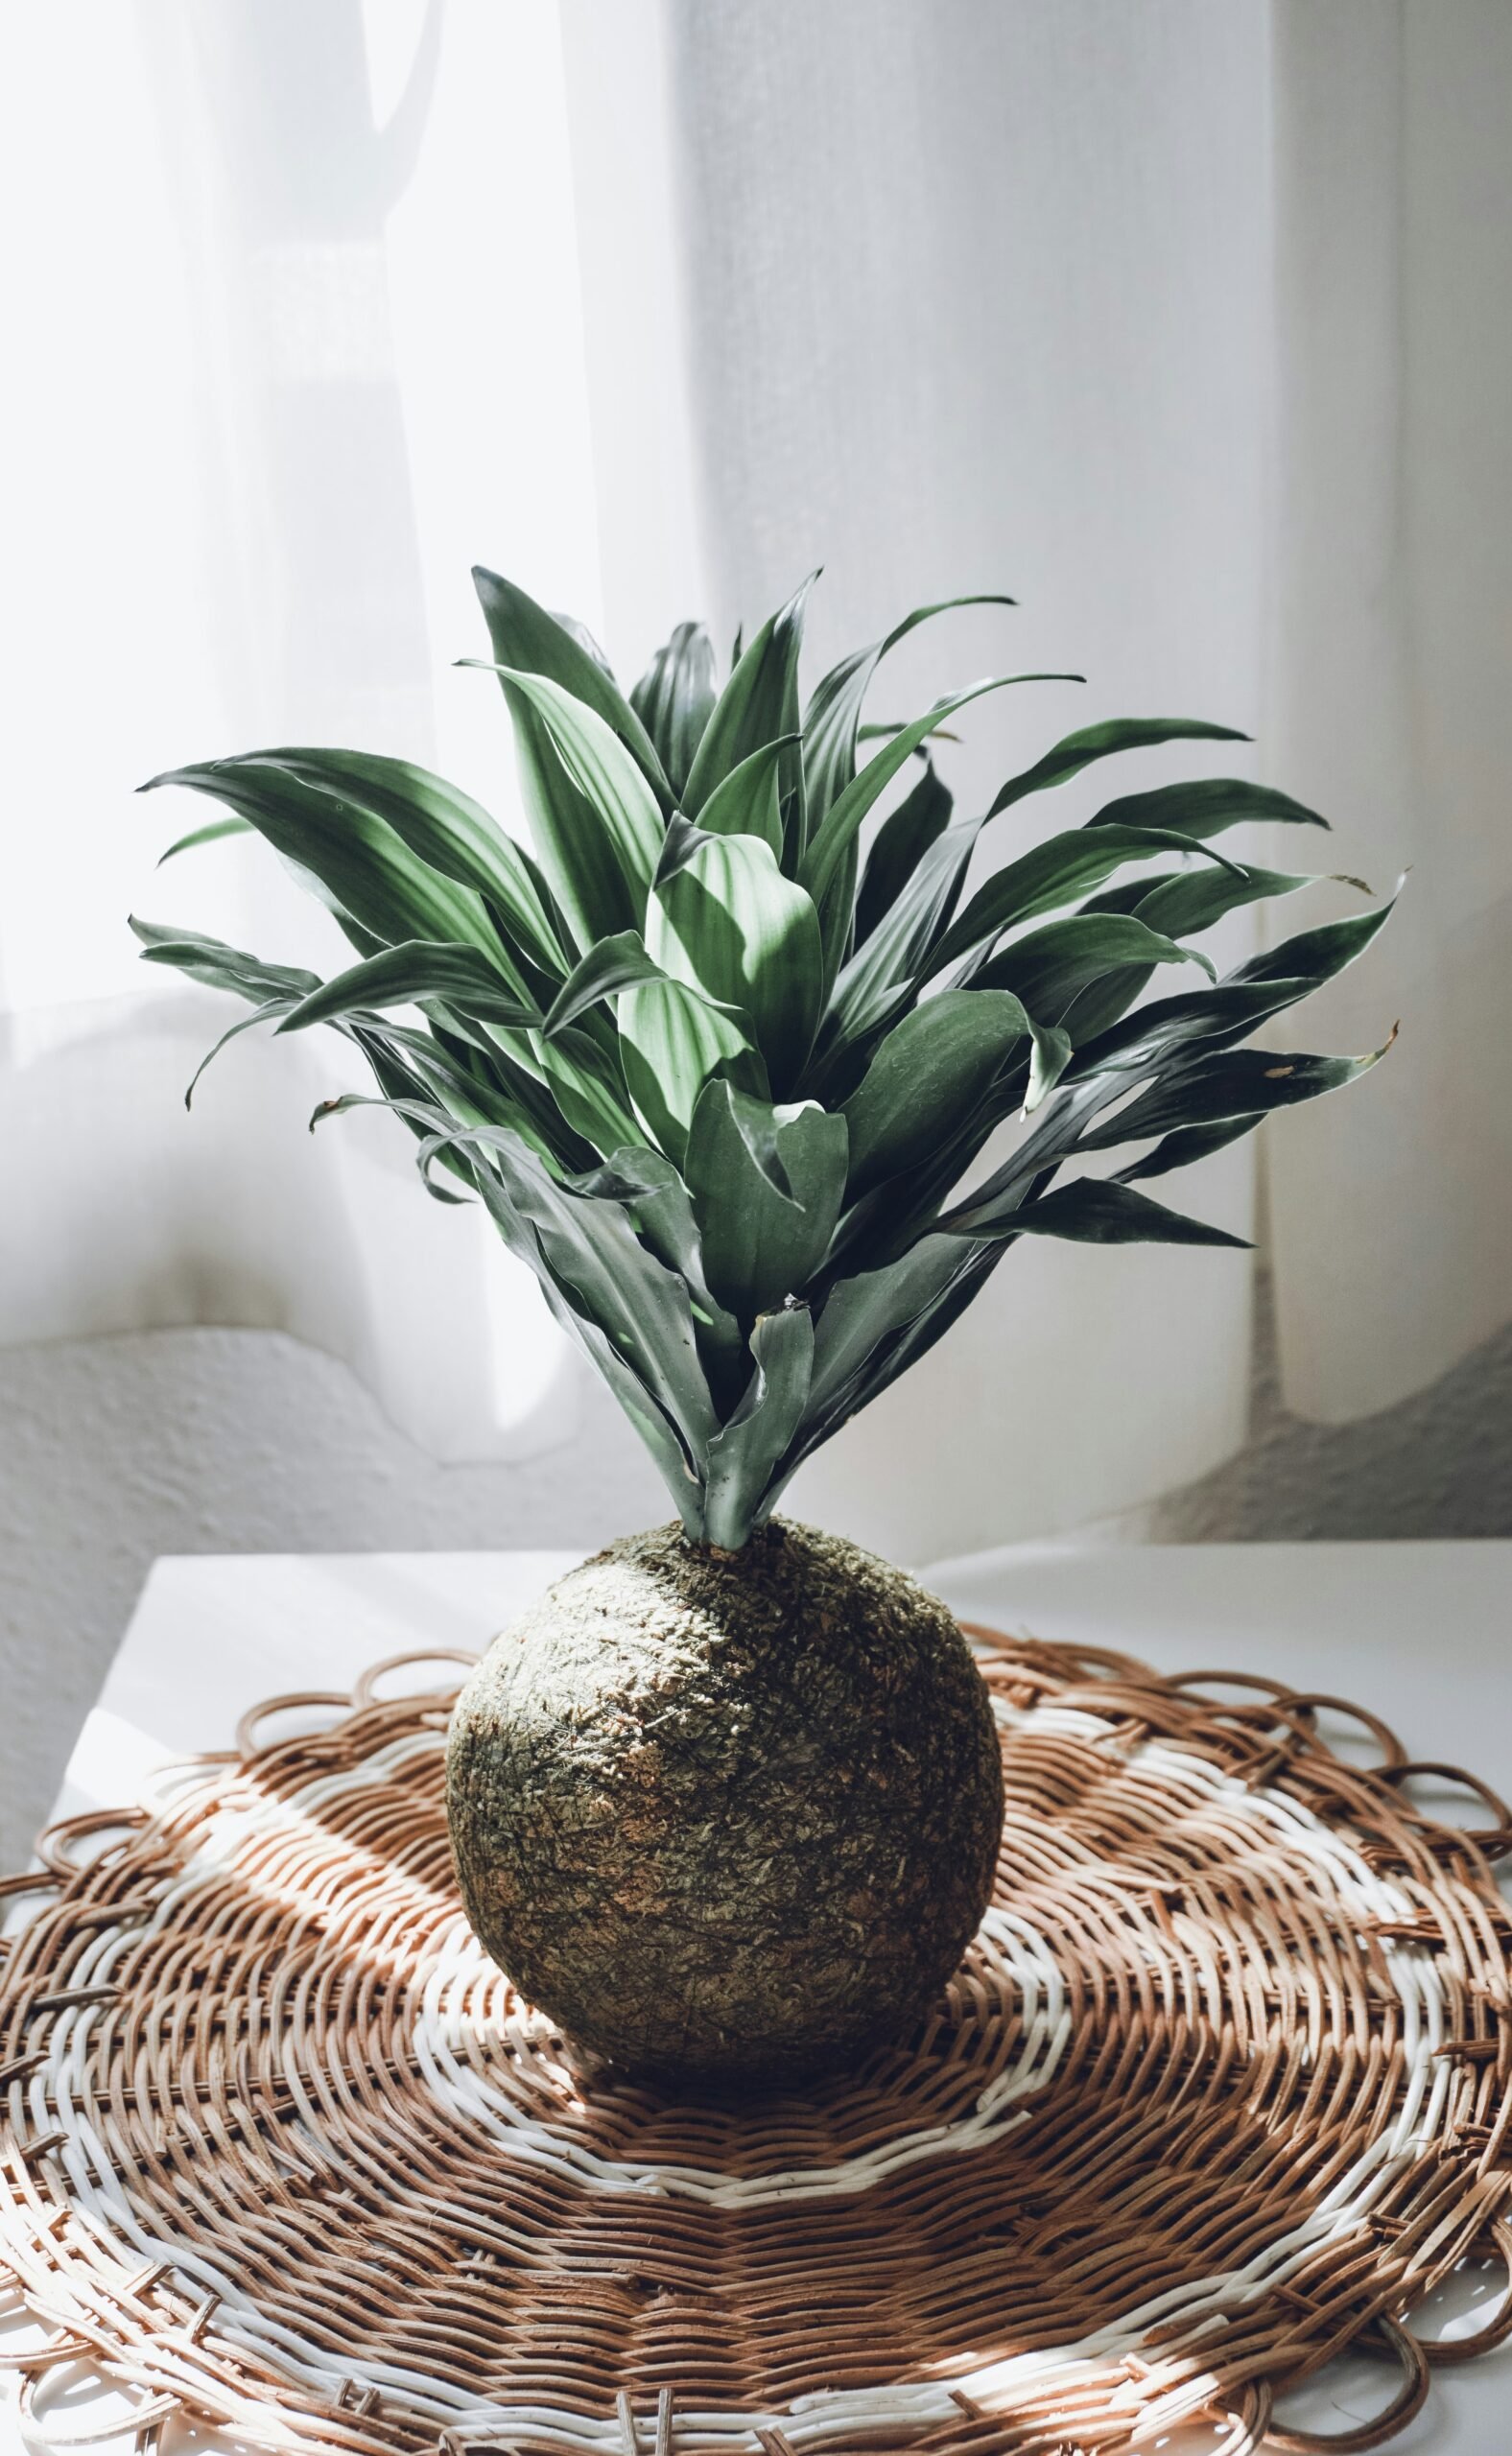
718 1076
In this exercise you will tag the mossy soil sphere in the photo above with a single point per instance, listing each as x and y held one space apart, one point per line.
732 1814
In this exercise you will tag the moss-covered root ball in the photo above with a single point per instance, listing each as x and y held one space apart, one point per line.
728 1813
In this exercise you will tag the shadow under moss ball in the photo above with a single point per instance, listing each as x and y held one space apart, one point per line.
734 1814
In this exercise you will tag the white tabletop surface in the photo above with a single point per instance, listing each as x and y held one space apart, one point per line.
1420 1632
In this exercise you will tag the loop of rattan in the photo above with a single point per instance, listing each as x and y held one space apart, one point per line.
1223 2087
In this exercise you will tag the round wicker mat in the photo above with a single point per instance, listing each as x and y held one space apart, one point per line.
1224 2084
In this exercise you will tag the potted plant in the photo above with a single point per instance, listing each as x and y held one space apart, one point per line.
727 1802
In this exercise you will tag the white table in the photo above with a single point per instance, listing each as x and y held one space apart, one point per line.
1420 1632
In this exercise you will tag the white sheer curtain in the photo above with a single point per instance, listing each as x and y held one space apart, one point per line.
1185 325
296 338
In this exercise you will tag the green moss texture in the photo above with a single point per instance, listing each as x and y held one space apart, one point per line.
728 1814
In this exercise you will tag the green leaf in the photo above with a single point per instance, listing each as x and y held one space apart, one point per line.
1195 900
725 920
839 830
671 1042
528 640
651 1421
1048 967
476 1085
743 1456
832 720
1240 1082
1190 1142
1166 1025
745 802
585 640
599 847
862 1317
760 1244
897 849
929 1076
674 698
1104 1001
881 978
1316 956
211 835
219 966
448 831
1255 990
264 1014
586 1251
660 1210
358 860
616 963
585 1080
1055 873
1078 751
403 976
759 703
1205 805
1091 1213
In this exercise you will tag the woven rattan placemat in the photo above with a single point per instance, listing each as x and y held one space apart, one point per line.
1224 2084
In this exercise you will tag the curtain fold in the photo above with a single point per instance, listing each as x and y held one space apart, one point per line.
1392 1209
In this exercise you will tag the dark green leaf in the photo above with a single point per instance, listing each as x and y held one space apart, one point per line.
588 1252
898 847
660 1210
1190 1142
402 975
882 975
219 966
674 698
759 703
1316 956
832 716
1048 967
391 892
928 1077
266 1014
1091 1213
1237 1083
1078 751
862 1315
760 1245
528 640
742 1457
1146 1038
1262 987
837 833
600 846
1197 899
1053 873
449 830
1205 806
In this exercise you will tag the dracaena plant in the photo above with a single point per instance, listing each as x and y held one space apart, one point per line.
719 1053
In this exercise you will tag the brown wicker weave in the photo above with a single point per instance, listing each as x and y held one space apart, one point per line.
1225 2084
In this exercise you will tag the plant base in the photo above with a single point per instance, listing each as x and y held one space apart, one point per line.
728 1813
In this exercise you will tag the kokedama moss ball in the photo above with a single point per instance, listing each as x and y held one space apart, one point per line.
732 1813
